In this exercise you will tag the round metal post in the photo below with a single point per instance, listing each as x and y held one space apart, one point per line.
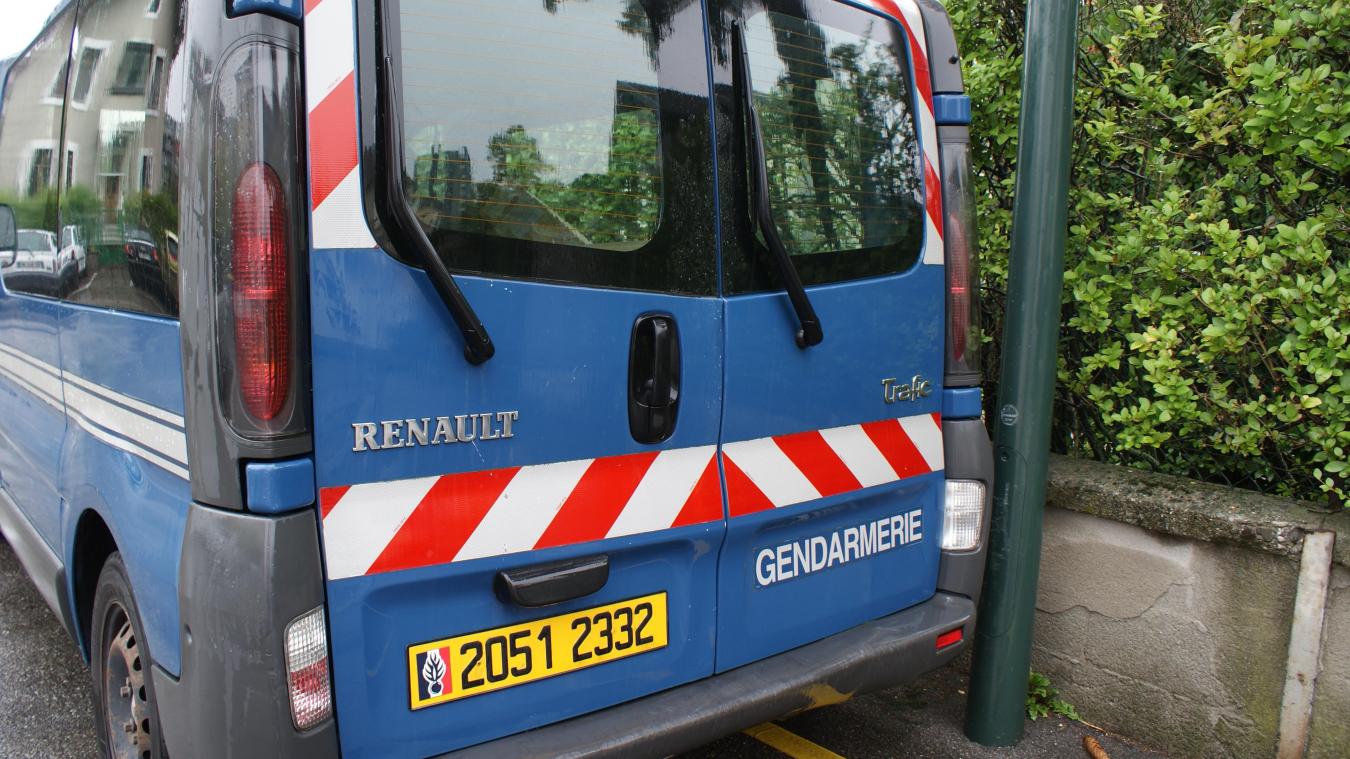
996 710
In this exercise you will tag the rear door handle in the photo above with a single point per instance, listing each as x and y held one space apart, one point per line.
548 584
653 378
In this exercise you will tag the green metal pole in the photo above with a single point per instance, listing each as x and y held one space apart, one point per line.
995 712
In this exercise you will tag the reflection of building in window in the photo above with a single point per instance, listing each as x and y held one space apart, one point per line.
118 132
152 8
134 68
84 75
58 89
147 166
40 171
152 97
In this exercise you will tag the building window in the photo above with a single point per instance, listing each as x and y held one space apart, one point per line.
58 89
40 171
84 75
70 168
134 69
147 166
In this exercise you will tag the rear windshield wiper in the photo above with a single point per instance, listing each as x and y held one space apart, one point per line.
810 332
391 202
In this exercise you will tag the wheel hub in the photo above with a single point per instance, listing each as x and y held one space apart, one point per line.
126 703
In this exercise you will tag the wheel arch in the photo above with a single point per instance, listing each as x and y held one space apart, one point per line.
93 544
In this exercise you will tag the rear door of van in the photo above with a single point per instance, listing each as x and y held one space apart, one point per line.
536 536
832 452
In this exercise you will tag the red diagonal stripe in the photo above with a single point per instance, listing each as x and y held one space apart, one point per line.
818 461
705 503
890 438
329 497
917 53
597 500
743 496
446 517
932 190
332 140
937 419
310 5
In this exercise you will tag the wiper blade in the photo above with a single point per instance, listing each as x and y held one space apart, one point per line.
809 332
391 202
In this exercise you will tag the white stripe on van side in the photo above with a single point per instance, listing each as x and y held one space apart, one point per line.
118 420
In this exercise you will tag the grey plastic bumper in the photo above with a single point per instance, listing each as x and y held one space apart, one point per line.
243 577
879 654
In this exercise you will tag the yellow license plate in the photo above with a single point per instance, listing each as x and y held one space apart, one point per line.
481 662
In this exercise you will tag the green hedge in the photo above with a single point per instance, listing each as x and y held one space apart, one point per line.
1207 288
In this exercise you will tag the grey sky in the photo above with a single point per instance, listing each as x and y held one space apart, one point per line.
23 20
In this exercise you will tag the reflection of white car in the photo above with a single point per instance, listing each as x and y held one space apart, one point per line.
34 267
72 247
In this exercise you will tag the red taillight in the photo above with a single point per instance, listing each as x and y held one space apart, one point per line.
958 225
261 291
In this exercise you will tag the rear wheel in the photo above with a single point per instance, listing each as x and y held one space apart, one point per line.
125 714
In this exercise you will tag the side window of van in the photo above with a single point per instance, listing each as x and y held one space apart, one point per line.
119 205
31 162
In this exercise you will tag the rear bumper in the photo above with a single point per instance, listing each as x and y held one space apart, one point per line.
879 654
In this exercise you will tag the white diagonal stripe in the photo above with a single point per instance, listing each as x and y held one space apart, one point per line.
524 509
340 220
860 455
330 48
663 491
126 400
926 435
933 252
23 366
157 436
42 395
772 471
366 518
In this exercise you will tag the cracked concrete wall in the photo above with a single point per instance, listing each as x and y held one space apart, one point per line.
1177 643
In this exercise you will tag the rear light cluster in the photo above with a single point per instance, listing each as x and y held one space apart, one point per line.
962 515
307 670
958 226
258 229
261 292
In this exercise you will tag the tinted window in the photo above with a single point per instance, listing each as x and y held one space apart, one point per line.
30 130
119 207
831 88
561 140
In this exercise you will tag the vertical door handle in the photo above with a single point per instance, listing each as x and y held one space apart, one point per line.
653 378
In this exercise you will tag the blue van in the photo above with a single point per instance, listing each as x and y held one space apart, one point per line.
511 378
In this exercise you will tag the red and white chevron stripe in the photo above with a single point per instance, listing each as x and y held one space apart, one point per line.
388 526
330 93
906 12
773 472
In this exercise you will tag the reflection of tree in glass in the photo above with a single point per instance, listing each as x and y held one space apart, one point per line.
616 207
839 142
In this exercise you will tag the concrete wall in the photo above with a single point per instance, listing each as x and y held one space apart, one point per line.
1175 633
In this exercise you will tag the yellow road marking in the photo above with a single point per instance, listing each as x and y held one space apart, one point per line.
789 743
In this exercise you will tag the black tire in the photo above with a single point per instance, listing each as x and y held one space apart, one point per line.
126 718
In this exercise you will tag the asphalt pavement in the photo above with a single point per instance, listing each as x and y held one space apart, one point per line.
44 700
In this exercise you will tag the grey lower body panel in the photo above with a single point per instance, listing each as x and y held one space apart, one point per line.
38 560
243 577
879 654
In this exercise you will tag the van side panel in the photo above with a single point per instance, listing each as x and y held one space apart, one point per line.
31 409
125 452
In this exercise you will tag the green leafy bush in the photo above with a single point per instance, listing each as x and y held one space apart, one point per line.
1206 319
1043 699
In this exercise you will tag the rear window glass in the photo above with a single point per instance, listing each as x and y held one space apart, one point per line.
542 139
831 88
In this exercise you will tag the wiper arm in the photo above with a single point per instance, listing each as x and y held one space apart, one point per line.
810 332
391 202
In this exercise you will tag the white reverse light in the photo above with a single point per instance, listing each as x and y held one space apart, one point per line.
962 515
307 669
